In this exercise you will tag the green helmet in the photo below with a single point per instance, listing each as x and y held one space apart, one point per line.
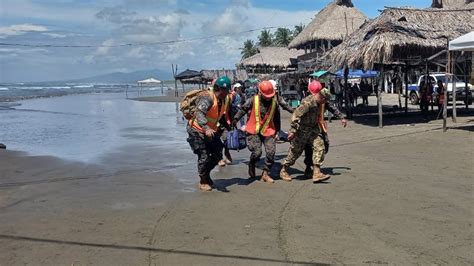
223 83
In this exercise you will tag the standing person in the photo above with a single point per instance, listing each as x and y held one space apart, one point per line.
440 91
229 102
424 97
203 129
262 126
309 128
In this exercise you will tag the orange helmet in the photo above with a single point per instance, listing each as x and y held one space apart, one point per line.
266 89
315 87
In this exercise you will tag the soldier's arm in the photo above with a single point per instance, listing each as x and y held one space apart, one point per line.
331 107
203 104
299 112
244 109
285 105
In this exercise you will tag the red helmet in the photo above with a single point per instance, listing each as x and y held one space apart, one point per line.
315 87
266 89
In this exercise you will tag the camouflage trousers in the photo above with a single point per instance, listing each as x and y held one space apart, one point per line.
208 150
254 143
310 141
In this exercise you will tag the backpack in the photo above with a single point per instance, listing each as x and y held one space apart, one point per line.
188 104
236 140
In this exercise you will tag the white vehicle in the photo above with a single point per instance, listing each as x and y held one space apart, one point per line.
433 79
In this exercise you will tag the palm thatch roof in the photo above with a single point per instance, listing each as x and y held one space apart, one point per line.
453 4
273 57
401 33
233 74
204 76
333 23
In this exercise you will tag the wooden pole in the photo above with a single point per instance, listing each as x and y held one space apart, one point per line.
406 88
379 96
445 103
175 71
466 88
453 67
346 92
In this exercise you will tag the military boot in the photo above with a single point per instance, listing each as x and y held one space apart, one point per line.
308 172
285 175
266 177
318 176
252 169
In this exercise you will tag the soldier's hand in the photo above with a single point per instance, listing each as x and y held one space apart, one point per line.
210 132
291 136
344 122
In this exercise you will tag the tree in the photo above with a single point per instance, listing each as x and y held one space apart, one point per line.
265 39
283 37
249 49
298 29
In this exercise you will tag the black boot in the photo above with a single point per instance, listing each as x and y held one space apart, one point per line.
252 169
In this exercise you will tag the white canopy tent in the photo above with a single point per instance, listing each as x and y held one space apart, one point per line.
151 82
463 43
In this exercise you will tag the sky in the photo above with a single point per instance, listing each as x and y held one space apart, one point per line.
103 23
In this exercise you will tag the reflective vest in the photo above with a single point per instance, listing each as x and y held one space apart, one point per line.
255 125
213 115
323 126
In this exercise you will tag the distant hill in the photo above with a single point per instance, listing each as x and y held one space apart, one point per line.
120 77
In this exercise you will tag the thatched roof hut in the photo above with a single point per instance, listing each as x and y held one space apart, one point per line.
453 4
337 20
205 76
272 57
233 74
399 34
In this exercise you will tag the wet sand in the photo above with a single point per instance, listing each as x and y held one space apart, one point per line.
398 195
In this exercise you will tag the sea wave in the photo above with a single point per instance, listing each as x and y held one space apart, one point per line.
3 89
84 86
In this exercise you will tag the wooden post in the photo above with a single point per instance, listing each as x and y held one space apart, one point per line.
445 103
453 69
466 88
346 92
175 71
379 96
406 88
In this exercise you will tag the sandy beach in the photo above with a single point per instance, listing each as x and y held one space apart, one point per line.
399 195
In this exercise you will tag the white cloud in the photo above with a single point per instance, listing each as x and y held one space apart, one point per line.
20 29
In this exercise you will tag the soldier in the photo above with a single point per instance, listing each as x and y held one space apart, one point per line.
309 128
263 123
203 129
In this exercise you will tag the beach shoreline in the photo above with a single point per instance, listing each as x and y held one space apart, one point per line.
372 210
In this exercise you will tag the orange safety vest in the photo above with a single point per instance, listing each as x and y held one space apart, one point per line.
255 125
213 115
323 126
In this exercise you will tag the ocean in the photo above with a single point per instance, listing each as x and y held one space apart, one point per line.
93 124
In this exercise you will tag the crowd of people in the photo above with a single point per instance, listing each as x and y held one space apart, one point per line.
253 106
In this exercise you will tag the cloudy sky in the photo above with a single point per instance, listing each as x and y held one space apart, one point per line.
116 22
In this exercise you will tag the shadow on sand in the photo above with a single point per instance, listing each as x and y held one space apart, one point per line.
149 249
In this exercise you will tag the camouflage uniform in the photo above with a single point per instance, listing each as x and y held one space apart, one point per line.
254 142
208 150
308 135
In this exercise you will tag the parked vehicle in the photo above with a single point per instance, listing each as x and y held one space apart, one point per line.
413 89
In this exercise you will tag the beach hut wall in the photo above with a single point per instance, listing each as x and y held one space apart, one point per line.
278 57
400 34
337 20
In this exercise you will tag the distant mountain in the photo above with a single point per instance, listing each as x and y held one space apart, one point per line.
120 77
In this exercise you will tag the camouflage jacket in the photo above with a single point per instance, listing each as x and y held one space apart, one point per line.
305 117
